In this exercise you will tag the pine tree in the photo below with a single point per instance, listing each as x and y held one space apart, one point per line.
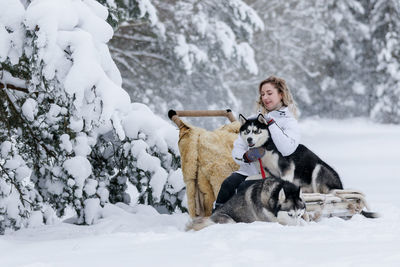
62 98
145 158
347 87
19 198
385 23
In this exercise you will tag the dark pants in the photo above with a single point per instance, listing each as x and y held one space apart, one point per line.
235 182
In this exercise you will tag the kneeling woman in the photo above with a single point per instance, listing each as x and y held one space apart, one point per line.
277 105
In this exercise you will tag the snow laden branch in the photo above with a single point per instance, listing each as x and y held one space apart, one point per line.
13 87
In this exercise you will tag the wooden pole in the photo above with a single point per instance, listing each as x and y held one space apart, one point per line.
175 114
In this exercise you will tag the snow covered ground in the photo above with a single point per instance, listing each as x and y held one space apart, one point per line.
365 154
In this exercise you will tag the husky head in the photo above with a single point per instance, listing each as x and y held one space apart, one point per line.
291 206
254 131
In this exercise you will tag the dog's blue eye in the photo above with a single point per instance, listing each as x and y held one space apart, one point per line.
247 131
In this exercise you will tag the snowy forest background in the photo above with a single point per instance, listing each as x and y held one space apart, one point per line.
82 80
340 58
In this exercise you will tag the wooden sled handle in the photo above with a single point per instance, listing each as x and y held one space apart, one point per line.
175 114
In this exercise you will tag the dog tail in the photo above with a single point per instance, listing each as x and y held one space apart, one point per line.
370 214
199 223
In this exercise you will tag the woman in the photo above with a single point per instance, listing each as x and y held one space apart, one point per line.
276 104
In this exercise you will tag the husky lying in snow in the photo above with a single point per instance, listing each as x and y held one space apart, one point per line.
269 200
302 167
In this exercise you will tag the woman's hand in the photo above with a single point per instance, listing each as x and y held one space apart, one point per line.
268 119
253 154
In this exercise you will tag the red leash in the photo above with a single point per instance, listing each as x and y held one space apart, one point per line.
262 169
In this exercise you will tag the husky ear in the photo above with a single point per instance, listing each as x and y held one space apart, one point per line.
282 196
242 119
261 118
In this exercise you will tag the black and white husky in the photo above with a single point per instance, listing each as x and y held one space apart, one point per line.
269 200
303 167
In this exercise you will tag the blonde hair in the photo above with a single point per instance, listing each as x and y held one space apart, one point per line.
287 98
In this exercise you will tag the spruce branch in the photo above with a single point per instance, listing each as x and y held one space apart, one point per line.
16 187
13 87
37 139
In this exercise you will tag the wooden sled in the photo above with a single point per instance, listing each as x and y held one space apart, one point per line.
338 203
199 147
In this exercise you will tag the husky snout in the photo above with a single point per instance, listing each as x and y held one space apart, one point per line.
250 141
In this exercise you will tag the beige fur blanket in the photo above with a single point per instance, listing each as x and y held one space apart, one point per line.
206 161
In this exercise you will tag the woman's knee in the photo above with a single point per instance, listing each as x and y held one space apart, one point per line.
229 186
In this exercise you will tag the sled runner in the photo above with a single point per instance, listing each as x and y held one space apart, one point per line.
206 161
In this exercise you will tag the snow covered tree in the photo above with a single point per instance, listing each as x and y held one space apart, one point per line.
385 23
61 96
146 157
61 106
180 57
18 197
346 87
